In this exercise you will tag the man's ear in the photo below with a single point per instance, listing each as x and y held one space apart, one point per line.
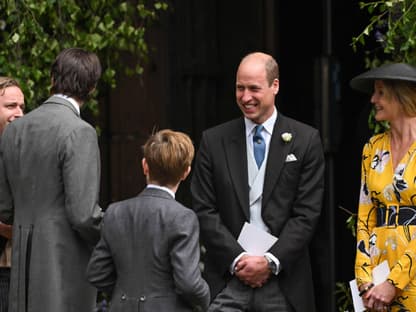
276 86
186 173
145 167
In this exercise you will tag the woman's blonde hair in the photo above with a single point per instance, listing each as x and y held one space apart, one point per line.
404 92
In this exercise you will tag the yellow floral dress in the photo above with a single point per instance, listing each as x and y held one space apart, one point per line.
386 227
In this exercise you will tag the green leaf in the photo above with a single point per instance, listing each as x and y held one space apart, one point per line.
15 38
33 32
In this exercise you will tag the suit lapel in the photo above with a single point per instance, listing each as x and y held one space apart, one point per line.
277 156
236 153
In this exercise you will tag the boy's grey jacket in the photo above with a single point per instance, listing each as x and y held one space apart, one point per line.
149 255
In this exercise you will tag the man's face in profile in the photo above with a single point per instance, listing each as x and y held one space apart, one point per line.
12 104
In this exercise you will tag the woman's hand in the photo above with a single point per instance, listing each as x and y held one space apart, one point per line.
379 297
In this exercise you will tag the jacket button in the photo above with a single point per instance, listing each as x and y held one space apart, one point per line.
123 297
142 298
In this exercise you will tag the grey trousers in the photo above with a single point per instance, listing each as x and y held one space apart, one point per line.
238 297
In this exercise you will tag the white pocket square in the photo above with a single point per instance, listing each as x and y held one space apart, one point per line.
290 158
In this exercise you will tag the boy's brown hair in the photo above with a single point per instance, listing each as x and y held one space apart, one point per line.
168 154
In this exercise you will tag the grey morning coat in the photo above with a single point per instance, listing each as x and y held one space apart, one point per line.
49 183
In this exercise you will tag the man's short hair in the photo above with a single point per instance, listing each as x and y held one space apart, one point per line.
168 154
75 73
6 82
270 64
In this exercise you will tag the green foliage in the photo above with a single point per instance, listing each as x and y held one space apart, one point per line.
33 32
351 221
390 36
344 299
391 33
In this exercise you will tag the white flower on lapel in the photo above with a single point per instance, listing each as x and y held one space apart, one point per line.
286 137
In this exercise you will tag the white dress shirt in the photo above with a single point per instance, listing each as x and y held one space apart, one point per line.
255 210
70 100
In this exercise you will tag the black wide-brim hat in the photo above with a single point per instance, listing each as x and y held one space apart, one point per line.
394 71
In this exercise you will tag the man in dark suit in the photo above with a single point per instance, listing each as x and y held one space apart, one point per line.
148 254
269 176
49 185
12 104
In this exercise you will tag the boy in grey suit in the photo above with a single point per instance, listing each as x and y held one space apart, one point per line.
148 254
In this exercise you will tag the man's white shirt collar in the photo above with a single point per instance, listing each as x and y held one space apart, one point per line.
70 100
268 124
164 188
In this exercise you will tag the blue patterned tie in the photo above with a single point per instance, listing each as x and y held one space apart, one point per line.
259 145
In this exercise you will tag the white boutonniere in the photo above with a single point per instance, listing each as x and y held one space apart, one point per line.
286 137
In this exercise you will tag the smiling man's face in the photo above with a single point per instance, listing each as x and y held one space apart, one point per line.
12 104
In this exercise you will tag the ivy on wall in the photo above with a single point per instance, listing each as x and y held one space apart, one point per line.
33 32
390 36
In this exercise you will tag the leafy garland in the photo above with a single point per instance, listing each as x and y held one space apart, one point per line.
389 37
393 29
33 32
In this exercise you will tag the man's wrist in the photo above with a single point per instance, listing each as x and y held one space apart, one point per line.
271 264
232 266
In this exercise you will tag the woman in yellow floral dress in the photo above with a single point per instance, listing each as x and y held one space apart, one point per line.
386 227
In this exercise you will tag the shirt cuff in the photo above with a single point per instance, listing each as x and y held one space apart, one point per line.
276 261
232 266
